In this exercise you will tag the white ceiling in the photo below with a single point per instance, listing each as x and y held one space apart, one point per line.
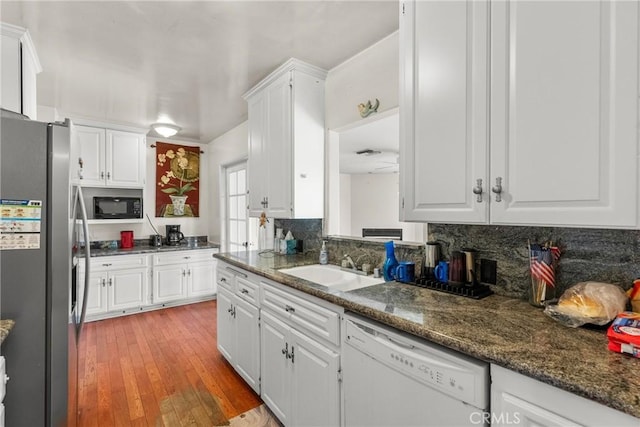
380 134
133 62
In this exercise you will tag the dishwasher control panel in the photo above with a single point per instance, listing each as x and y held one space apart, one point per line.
454 374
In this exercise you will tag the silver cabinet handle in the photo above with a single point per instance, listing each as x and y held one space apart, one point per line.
244 291
189 272
184 273
289 309
106 265
497 189
477 190
108 175
101 175
104 283
285 350
223 280
187 257
110 281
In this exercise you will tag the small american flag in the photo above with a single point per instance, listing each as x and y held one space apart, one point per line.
543 261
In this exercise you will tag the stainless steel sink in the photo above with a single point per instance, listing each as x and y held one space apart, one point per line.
332 277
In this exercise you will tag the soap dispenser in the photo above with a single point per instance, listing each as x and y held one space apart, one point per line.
390 263
324 255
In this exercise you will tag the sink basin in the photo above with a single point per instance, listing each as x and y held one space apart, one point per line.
332 277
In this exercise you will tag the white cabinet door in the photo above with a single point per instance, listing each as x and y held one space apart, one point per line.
11 93
276 117
125 159
201 278
517 400
247 357
275 367
257 163
169 283
315 389
278 155
560 121
564 112
127 288
89 153
96 300
443 128
19 66
226 325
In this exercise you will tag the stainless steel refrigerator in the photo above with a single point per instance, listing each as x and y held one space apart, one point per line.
37 264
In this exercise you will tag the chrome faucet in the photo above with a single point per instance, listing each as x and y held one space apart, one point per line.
350 261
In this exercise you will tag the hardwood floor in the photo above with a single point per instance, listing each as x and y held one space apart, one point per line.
158 368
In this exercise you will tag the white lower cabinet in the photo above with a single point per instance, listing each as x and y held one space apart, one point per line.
123 284
117 283
300 364
183 274
522 401
285 345
238 321
299 376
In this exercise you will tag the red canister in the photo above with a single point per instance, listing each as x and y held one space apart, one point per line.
126 239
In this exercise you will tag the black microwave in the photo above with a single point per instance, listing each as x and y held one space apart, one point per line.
117 207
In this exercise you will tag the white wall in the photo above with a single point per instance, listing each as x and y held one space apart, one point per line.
189 226
370 74
344 227
373 201
227 149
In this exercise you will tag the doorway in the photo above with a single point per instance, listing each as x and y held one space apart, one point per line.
237 224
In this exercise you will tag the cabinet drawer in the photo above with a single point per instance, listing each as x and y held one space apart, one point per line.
225 280
118 262
302 314
179 257
248 290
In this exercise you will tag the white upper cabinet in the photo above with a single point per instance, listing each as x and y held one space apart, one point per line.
107 158
539 100
443 113
19 67
564 112
286 143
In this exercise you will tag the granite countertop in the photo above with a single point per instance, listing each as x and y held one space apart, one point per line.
143 249
5 328
505 331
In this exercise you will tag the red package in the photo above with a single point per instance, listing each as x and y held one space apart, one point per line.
624 334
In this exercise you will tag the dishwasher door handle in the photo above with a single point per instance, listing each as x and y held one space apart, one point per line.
400 343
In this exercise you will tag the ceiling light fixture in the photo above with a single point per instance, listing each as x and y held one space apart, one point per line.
165 129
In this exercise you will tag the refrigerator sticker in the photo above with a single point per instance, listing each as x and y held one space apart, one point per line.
20 222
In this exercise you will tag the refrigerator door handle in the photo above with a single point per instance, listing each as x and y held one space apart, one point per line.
87 256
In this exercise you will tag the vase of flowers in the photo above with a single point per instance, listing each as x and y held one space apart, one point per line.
178 203
178 180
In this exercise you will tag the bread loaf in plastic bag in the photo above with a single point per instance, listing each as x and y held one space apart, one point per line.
588 302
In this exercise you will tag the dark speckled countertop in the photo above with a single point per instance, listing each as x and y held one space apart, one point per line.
505 331
144 249
5 327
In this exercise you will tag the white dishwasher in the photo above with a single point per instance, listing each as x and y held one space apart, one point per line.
393 379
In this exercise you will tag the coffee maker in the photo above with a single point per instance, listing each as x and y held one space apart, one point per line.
174 236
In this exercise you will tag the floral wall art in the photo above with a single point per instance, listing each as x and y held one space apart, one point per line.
177 180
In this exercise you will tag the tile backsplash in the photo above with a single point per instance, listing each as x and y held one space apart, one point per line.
610 256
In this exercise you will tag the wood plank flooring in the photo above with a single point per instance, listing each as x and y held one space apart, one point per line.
158 368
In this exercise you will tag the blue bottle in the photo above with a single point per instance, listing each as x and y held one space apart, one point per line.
390 263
